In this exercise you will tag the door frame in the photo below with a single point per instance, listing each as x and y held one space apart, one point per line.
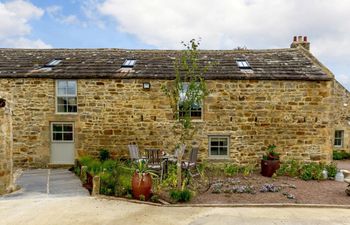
62 141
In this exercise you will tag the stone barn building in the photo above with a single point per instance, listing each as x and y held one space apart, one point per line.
71 102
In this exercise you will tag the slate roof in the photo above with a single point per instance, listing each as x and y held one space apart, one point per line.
274 64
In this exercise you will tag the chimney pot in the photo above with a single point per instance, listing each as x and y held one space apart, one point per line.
300 41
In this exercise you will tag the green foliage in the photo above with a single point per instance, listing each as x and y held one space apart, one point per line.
306 171
331 169
154 198
85 160
184 195
141 168
234 169
142 198
170 181
311 171
339 155
290 168
247 170
108 183
94 167
77 170
271 154
104 155
124 180
231 169
109 165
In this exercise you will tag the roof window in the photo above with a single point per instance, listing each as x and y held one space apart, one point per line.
129 63
243 64
53 63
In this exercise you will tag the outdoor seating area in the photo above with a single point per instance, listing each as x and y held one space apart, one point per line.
159 160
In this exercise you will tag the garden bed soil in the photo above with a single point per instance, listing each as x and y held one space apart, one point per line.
305 192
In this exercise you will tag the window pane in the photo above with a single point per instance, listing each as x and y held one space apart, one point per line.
214 151
214 142
72 108
72 84
57 127
62 91
57 136
62 108
72 101
68 137
223 151
62 84
67 127
61 101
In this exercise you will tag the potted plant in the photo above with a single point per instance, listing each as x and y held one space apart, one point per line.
142 181
270 162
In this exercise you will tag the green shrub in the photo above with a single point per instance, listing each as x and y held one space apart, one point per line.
85 160
290 168
94 167
247 170
339 155
104 155
109 165
77 170
171 179
184 195
108 183
311 171
231 169
124 176
331 169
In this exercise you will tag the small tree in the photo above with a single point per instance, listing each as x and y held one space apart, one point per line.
188 89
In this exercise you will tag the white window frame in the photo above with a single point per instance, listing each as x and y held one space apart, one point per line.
227 156
57 95
341 138
129 63
62 123
192 118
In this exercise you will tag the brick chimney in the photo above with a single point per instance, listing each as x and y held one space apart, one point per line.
300 41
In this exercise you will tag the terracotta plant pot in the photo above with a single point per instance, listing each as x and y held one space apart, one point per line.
269 167
141 186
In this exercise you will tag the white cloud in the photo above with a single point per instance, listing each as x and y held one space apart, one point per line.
25 43
55 12
14 24
226 24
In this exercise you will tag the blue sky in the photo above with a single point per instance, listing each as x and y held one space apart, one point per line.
163 24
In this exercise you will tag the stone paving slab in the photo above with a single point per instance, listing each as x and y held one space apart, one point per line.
48 183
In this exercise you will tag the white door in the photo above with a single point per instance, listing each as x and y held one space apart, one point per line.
62 143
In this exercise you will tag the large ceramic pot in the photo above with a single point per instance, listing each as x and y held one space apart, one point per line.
269 167
141 185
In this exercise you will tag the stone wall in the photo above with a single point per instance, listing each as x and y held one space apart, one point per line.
294 115
341 114
5 145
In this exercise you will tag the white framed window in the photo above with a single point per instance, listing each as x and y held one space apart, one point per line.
196 110
62 132
53 63
66 96
129 63
338 138
219 146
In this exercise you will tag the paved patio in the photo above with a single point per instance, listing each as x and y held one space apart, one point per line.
48 183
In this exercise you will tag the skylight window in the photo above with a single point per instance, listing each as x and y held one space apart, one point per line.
243 64
53 63
129 63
